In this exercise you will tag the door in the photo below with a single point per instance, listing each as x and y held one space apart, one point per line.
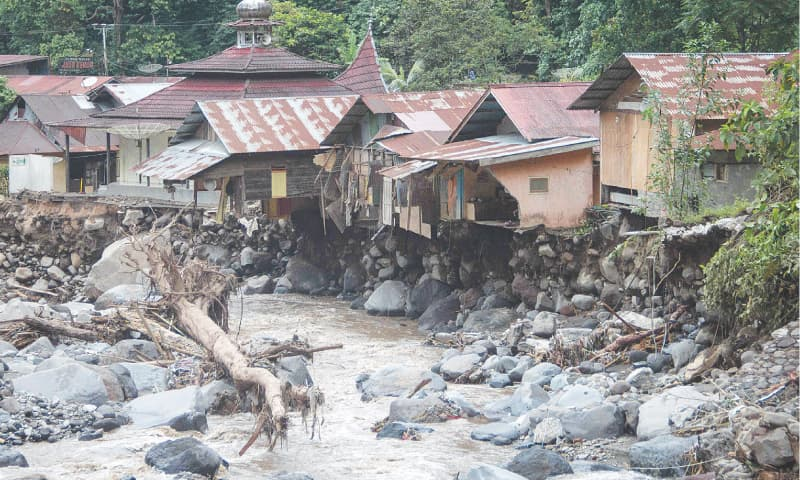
386 202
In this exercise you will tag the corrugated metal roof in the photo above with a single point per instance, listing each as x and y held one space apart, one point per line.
252 60
183 161
388 130
21 137
55 84
54 109
275 124
176 101
442 110
127 93
414 143
667 73
8 60
364 73
504 148
398 172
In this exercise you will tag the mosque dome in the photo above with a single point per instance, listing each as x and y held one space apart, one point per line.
254 9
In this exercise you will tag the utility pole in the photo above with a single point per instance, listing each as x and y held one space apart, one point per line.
104 28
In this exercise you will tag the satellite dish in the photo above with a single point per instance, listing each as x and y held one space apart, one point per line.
150 68
88 82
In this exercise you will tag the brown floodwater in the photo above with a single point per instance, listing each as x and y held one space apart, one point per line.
347 448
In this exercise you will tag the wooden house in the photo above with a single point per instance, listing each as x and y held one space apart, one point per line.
629 141
518 159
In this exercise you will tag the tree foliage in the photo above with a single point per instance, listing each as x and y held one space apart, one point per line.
754 277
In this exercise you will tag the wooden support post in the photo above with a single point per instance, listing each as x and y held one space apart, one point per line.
147 142
66 161
108 158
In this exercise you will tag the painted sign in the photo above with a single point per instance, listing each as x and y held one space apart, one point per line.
76 64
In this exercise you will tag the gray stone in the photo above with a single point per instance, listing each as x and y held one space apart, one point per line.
541 373
55 273
682 352
41 348
544 302
588 367
640 321
386 273
546 251
402 430
122 295
117 266
577 396
125 380
294 370
499 380
355 276
458 365
305 276
537 463
159 409
439 314
519 370
773 449
12 458
132 217
525 398
640 377
609 270
424 294
7 349
661 455
489 472
658 361
23 274
132 350
246 256
497 300
72 383
219 396
611 294
396 381
671 408
417 410
388 299
489 320
184 455
603 421
501 433
620 387
257 285
147 378
548 431
583 302
545 324
189 421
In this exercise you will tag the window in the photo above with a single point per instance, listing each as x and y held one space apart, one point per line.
720 172
537 184
278 182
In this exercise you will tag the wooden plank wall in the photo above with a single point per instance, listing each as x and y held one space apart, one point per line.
626 155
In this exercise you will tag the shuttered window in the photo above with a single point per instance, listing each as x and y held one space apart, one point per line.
278 183
537 184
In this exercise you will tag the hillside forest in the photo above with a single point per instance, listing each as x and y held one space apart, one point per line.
424 44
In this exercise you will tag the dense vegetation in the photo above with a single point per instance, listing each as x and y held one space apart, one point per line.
449 41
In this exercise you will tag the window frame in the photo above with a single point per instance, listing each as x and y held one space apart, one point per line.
538 192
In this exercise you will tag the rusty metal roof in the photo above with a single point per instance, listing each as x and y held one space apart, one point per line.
129 92
403 170
20 137
410 144
275 124
744 75
176 101
52 110
253 60
505 148
183 161
388 131
364 73
55 84
536 110
8 60
419 111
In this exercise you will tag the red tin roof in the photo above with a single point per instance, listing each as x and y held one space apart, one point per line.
411 144
8 60
419 111
183 161
254 60
536 110
504 148
744 76
275 124
54 84
364 73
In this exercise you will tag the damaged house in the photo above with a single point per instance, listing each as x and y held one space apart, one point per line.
630 141
518 159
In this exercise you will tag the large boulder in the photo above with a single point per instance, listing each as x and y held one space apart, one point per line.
458 365
489 472
439 314
294 370
132 350
424 294
495 320
73 383
260 284
117 266
119 295
603 421
538 464
163 408
525 398
184 455
305 276
671 408
388 299
12 458
499 433
660 455
147 378
355 276
396 381
417 410
577 396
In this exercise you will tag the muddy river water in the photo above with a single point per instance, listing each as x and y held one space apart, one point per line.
347 448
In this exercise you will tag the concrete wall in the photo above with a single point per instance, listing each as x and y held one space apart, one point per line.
36 172
128 157
739 184
569 191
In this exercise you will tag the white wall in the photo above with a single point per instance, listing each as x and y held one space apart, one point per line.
128 157
31 172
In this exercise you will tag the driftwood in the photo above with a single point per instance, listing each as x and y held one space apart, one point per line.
193 291
626 341
280 350
165 339
52 327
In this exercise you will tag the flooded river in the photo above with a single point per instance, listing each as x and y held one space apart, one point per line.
347 448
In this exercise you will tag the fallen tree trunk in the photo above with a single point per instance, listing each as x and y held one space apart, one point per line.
193 291
51 327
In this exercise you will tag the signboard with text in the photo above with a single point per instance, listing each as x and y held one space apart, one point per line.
76 64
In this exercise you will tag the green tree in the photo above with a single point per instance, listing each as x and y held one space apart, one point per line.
311 33
753 279
7 97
